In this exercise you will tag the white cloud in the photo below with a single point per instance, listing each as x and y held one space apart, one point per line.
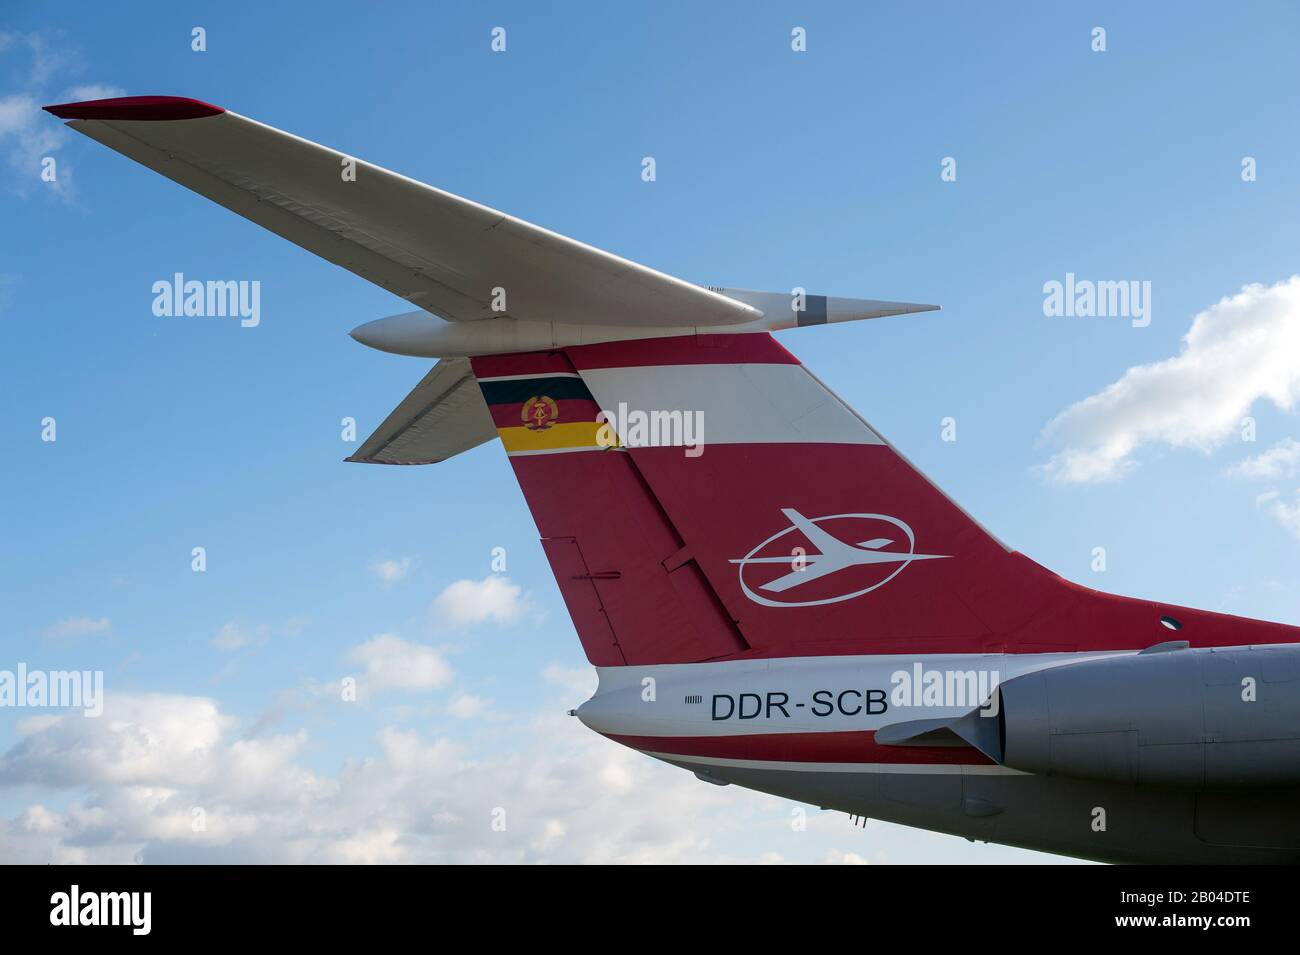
494 598
150 760
840 857
79 627
235 635
1243 348
231 636
391 571
127 786
27 133
393 664
89 91
578 683
1286 514
44 61
1281 460
467 706
142 740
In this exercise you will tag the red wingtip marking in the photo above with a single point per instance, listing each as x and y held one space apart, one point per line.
145 108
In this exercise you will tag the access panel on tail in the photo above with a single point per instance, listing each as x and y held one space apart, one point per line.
790 527
634 592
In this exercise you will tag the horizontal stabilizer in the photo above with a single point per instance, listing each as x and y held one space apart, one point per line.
447 255
444 415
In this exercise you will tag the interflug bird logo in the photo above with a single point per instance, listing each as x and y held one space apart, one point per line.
539 413
847 568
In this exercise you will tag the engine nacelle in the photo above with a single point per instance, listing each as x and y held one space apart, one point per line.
1193 719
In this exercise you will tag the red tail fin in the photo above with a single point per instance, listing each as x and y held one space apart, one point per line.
792 529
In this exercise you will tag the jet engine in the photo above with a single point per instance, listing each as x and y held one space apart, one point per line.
1168 716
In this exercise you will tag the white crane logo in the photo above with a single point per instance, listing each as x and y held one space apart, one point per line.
833 556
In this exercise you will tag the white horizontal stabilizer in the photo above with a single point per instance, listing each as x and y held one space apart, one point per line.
448 255
444 415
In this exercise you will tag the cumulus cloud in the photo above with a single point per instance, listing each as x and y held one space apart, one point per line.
89 91
235 635
79 627
28 135
151 761
153 766
467 706
43 61
578 683
840 857
1287 514
1244 348
493 599
142 740
231 636
171 778
1281 460
391 571
391 663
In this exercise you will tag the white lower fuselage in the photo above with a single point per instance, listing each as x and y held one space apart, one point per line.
804 728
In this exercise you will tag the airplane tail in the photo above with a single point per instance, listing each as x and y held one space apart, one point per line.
772 521
706 496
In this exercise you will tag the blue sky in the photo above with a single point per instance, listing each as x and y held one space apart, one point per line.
774 169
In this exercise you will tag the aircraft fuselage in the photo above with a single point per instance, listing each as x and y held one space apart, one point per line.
806 728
